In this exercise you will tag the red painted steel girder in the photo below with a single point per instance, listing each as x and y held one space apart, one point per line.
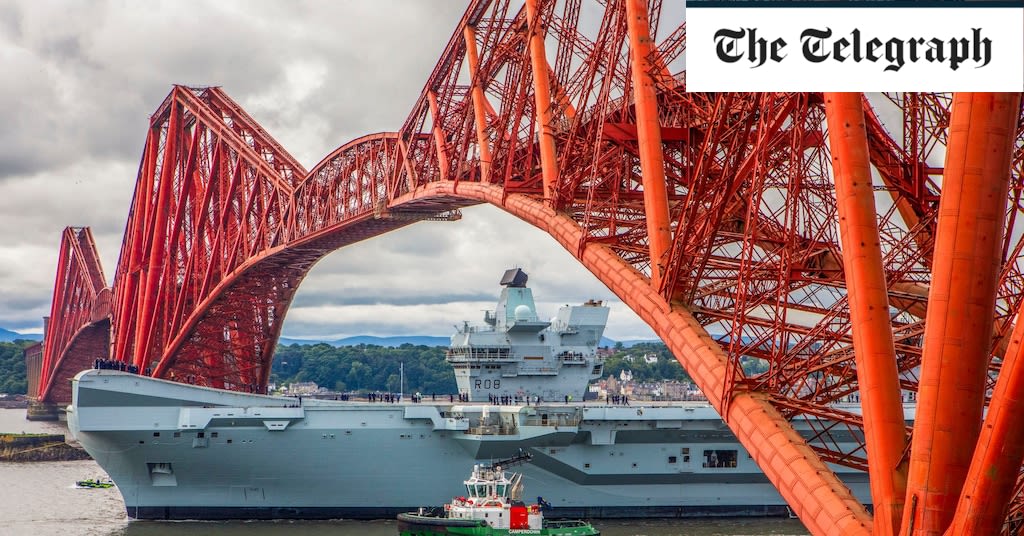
214 191
78 331
753 301
868 294
219 239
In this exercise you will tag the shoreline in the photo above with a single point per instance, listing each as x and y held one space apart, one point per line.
39 448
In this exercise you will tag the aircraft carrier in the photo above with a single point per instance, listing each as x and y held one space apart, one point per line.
179 451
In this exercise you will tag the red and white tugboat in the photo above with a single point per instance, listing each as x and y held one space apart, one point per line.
492 507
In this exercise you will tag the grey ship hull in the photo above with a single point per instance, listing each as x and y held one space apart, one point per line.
177 451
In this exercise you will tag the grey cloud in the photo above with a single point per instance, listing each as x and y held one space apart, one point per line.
116 64
10 21
439 320
376 295
21 301
372 327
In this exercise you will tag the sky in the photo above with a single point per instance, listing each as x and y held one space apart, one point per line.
80 80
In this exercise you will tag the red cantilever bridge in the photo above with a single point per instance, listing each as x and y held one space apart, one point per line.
858 245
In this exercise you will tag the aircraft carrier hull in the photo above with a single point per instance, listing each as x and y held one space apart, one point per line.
178 451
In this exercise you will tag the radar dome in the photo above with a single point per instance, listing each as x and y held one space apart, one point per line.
523 313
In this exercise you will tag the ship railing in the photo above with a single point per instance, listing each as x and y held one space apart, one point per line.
572 358
474 353
553 420
493 429
526 371
477 329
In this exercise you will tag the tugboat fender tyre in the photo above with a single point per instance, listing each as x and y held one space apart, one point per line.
417 519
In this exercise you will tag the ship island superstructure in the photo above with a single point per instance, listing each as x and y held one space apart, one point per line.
180 451
517 357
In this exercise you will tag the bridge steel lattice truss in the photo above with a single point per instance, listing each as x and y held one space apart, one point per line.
850 245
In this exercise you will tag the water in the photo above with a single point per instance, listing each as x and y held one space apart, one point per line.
40 499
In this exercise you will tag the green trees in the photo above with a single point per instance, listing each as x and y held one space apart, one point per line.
365 367
665 368
359 376
12 367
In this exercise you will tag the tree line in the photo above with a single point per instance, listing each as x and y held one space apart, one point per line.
666 367
12 367
376 368
367 368
632 359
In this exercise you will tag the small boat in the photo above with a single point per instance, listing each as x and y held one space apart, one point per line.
94 483
492 507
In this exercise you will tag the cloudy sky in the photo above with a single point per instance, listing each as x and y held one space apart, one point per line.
80 80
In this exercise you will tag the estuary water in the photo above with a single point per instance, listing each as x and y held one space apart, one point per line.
40 499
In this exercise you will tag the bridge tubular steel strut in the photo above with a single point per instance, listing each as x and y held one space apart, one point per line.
479 114
124 316
542 98
439 141
648 132
875 354
997 459
150 280
958 332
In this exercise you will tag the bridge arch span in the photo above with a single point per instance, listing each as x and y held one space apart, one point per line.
89 343
231 318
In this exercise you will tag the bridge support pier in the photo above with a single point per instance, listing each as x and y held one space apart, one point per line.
42 411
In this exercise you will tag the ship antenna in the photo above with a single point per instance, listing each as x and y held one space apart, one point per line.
520 457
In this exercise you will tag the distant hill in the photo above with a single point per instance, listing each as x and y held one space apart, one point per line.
7 335
628 344
287 341
416 340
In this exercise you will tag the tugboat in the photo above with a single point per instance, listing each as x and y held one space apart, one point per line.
492 507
